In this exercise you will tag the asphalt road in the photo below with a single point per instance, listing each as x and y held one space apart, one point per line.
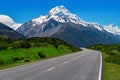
83 65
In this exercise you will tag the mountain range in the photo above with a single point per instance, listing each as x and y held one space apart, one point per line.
9 22
61 23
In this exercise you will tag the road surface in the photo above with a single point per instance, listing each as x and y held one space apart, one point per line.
84 65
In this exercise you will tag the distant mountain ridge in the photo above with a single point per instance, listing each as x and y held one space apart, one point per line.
6 31
9 22
62 24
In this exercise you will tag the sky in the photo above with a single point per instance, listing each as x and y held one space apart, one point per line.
103 12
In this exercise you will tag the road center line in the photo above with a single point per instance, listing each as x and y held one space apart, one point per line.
51 68
84 54
74 59
66 62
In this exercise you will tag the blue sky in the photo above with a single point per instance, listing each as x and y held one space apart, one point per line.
101 11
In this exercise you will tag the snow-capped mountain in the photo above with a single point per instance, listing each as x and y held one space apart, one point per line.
62 24
112 29
60 14
9 22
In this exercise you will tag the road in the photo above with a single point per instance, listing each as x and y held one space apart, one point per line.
84 65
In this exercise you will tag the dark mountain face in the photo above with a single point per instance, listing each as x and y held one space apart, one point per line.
75 34
81 36
8 32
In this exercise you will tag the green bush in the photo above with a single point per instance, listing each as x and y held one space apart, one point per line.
113 52
25 44
113 59
41 55
21 44
3 45
26 60
1 62
16 45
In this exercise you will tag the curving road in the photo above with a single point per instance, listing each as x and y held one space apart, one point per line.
84 65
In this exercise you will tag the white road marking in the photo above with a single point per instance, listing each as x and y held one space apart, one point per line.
51 68
85 54
100 69
82 55
74 59
66 62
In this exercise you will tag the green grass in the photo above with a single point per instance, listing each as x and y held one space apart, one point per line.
20 55
111 71
24 51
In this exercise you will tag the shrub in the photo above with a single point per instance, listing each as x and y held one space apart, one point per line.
113 59
25 44
3 45
41 55
26 60
21 44
1 62
16 45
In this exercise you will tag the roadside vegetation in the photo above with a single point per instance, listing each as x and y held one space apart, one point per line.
111 55
28 50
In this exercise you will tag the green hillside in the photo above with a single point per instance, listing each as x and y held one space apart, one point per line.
111 54
28 50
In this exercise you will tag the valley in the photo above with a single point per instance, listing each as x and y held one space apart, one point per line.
51 46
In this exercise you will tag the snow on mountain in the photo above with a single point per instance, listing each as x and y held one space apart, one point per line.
62 24
60 14
9 22
40 19
112 29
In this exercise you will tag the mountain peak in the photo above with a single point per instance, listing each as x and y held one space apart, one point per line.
112 29
61 14
112 25
9 22
6 20
59 10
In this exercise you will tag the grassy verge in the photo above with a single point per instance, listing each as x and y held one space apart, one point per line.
111 71
26 51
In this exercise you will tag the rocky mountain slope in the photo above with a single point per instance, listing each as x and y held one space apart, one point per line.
5 31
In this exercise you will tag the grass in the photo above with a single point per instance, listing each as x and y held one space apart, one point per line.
50 52
111 71
26 51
